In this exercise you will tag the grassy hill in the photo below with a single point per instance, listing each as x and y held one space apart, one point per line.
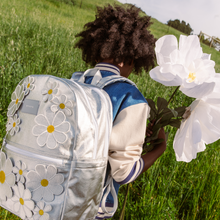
37 37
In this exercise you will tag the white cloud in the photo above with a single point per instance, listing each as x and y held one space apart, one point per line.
202 15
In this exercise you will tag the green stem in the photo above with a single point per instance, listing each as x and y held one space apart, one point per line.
173 94
122 215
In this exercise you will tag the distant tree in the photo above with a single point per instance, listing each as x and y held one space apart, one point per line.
181 26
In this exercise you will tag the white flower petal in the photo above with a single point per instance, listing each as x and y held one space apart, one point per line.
29 204
27 194
10 179
58 179
16 206
164 47
21 189
45 217
56 190
198 91
32 185
41 120
38 194
51 171
63 98
67 111
42 139
38 130
22 212
41 170
58 119
48 196
8 166
51 142
59 137
54 108
40 205
48 208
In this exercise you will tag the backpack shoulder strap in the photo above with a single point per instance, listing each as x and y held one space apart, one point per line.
97 78
112 79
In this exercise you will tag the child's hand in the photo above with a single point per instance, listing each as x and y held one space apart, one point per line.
149 130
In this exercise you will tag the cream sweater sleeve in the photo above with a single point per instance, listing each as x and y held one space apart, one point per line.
127 138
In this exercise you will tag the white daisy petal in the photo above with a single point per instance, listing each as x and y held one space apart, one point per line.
42 139
58 179
63 127
51 142
16 206
48 196
41 170
38 194
56 190
58 119
48 208
59 137
38 130
51 171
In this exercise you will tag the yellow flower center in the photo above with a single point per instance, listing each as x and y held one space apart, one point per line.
44 182
21 201
14 124
28 85
16 101
62 106
20 172
41 212
2 176
50 129
50 91
191 77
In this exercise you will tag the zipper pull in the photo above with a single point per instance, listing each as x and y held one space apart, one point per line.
4 142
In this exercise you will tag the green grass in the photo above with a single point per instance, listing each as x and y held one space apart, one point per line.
37 37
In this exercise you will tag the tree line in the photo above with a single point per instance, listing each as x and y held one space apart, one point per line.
181 26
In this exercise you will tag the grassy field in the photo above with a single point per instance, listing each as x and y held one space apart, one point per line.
37 37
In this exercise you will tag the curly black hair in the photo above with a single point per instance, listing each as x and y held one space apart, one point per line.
119 33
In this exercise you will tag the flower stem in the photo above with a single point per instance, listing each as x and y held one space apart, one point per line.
173 94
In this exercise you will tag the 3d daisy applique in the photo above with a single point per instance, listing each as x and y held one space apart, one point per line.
62 104
41 211
16 100
20 170
22 201
51 129
44 183
7 178
12 126
29 84
50 91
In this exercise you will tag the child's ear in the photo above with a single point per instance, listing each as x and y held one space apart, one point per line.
121 64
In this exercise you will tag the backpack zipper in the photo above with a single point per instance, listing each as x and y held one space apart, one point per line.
33 155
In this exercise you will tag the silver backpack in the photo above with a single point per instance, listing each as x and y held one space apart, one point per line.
54 155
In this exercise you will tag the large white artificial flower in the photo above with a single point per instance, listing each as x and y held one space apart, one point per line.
22 201
44 182
62 104
12 125
16 100
41 211
20 170
202 127
50 91
51 129
29 84
7 178
186 66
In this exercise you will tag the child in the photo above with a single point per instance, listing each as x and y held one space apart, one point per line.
119 42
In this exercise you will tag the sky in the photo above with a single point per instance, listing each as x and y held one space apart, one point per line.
202 15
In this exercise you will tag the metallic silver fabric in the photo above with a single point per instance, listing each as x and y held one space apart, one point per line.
82 159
